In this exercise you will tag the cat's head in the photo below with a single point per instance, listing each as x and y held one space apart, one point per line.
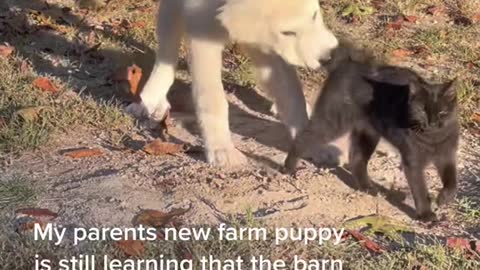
433 106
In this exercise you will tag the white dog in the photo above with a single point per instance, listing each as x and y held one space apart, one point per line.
276 34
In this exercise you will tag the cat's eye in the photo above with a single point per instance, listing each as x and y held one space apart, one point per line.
289 33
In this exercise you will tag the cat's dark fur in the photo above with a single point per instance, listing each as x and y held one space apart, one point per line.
373 101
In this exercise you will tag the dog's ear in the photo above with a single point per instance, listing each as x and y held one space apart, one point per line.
244 20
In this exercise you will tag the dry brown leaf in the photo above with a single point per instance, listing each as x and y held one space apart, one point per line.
36 213
462 20
365 242
131 247
45 85
476 18
6 50
26 224
134 75
158 147
84 153
411 19
396 25
138 24
3 122
401 53
156 219
476 117
434 10
131 74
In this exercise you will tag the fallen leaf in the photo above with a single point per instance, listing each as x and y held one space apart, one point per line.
396 25
131 74
138 24
462 20
36 213
6 50
157 219
476 18
378 224
476 117
459 243
411 19
401 53
45 85
158 147
134 75
378 4
419 266
3 122
30 113
131 247
365 242
434 10
25 224
84 153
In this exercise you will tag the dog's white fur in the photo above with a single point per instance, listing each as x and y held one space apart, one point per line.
276 34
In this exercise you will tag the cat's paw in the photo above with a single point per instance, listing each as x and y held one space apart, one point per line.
445 196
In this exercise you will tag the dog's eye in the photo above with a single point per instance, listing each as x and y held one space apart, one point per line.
289 33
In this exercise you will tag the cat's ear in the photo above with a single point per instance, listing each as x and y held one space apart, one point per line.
449 90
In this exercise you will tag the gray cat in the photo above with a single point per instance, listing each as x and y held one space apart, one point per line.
373 101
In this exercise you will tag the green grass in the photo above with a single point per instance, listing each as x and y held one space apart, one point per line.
63 111
16 192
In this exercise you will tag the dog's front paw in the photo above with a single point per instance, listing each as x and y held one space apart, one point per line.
228 157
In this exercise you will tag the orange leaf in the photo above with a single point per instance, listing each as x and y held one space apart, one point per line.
365 242
131 247
157 147
401 53
84 153
476 117
6 50
154 218
45 85
458 243
138 24
476 18
36 213
134 76
411 19
396 25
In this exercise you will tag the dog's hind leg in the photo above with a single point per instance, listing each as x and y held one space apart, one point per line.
170 27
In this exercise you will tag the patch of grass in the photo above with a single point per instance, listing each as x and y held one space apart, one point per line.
16 192
64 111
468 209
